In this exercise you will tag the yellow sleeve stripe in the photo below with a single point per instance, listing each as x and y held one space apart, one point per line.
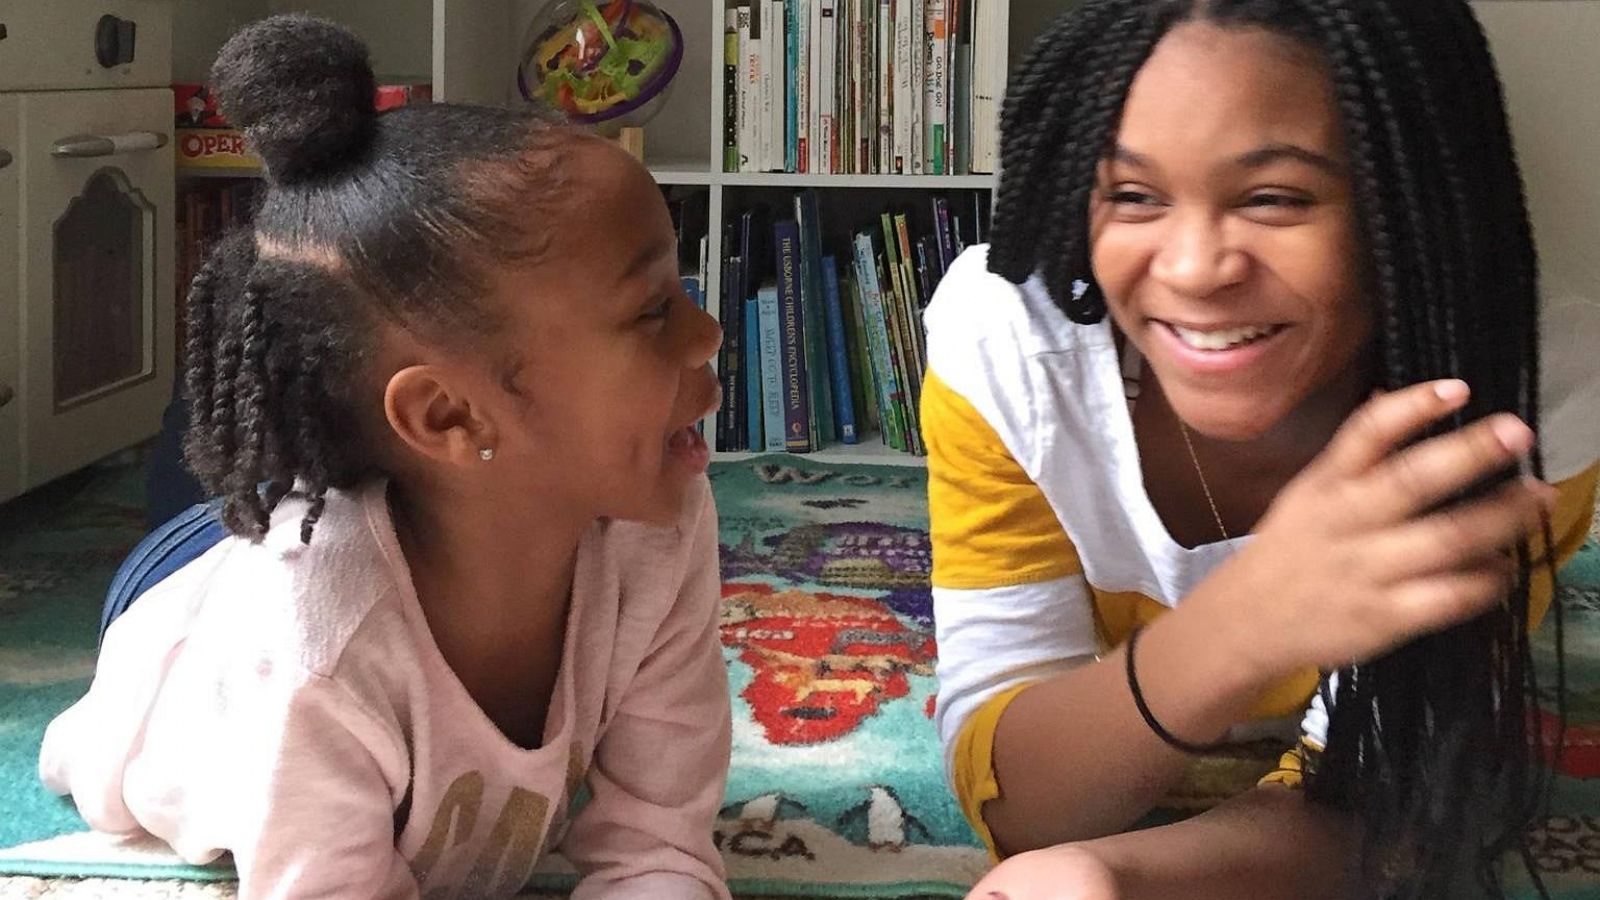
1292 765
1569 525
972 764
991 525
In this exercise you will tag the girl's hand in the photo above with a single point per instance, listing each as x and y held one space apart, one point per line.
1065 872
1353 558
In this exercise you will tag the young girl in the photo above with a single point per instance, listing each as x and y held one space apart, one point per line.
1290 448
449 389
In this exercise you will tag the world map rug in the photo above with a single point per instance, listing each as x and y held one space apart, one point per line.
836 788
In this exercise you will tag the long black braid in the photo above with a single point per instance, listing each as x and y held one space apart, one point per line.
369 222
1433 747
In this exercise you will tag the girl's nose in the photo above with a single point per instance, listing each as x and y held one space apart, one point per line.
703 338
1197 260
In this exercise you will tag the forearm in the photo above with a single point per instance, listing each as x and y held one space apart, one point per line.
1269 844
1074 758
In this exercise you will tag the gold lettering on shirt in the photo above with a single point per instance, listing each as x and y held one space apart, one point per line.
513 847
457 815
577 770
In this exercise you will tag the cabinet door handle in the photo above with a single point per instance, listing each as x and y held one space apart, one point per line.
6 394
81 146
5 159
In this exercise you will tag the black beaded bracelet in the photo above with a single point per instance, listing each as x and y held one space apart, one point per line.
1166 736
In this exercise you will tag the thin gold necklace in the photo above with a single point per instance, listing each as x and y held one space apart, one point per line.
1184 430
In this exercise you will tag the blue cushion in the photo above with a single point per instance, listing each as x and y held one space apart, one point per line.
178 542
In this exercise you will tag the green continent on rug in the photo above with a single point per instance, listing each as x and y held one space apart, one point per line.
837 788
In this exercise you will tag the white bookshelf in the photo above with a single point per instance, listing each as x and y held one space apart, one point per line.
697 100
871 452
797 181
470 50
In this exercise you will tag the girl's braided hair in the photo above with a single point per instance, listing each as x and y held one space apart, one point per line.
368 222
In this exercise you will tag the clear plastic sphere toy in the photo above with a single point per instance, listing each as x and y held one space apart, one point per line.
601 61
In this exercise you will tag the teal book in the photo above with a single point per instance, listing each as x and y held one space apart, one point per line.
755 410
844 410
809 216
771 353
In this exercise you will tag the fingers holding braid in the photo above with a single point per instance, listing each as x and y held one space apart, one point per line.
1386 483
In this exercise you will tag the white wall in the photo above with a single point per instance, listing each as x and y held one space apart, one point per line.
398 32
201 27
1548 52
1029 19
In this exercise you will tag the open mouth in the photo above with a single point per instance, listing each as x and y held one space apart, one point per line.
685 439
687 446
1220 339
685 442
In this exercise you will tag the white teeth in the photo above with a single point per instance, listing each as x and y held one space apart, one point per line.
1221 340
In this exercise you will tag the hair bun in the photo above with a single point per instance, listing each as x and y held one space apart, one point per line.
302 90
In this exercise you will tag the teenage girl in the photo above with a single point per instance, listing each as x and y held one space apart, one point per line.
1237 395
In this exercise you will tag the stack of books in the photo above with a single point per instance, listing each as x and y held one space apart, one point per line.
822 335
846 87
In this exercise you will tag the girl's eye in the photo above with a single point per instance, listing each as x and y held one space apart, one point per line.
1277 201
657 312
1130 198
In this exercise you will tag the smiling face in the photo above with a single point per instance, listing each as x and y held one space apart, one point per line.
1224 235
613 375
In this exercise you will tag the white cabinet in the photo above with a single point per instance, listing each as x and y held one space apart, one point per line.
86 233
95 280
10 309
85 44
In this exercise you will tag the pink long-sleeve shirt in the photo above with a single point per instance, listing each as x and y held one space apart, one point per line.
287 703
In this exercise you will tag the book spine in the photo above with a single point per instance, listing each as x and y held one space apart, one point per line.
866 102
813 82
808 216
865 385
796 386
771 101
728 361
938 109
961 96
827 93
793 67
894 303
924 271
989 83
885 86
914 301
874 315
903 119
844 411
755 411
941 229
738 105
771 369
919 78
845 113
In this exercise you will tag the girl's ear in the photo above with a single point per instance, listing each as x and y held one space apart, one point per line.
433 415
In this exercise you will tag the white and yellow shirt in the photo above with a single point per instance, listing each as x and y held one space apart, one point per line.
1047 551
